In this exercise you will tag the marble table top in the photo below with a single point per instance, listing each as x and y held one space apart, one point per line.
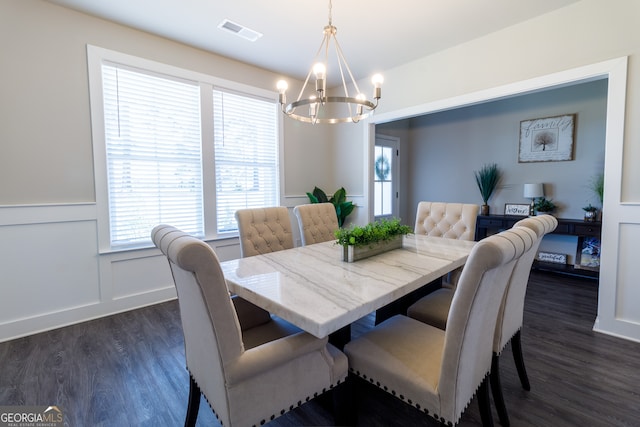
311 287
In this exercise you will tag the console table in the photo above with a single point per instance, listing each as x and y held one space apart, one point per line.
489 224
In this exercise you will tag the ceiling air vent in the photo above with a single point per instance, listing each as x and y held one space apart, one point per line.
239 30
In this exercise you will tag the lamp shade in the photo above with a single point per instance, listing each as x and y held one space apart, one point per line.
531 191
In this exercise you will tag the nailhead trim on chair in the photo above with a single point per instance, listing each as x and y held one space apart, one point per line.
508 341
417 405
282 411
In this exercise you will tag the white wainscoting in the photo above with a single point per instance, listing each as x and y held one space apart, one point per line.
628 293
53 276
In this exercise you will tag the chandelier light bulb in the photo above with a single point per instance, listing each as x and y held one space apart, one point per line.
282 86
377 80
319 70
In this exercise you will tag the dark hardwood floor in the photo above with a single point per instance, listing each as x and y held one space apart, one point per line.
128 370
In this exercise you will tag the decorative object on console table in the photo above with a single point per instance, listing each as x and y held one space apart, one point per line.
588 253
544 206
546 140
597 186
487 179
516 209
590 213
533 191
552 257
582 266
371 239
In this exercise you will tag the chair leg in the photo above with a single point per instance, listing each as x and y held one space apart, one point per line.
516 347
485 403
496 389
194 403
344 403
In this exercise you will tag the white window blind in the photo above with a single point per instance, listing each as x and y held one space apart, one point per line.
246 155
153 148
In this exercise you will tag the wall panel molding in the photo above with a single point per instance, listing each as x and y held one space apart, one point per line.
53 275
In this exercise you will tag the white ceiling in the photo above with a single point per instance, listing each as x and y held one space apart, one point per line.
374 34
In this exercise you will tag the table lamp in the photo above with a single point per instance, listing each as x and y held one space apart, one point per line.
533 191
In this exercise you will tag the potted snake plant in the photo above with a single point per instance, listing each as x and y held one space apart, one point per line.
487 179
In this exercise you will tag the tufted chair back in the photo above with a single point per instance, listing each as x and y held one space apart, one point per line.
318 222
511 312
236 364
450 220
264 230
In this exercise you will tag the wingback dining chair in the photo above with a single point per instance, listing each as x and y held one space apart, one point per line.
237 357
318 222
264 230
433 309
437 371
438 219
510 316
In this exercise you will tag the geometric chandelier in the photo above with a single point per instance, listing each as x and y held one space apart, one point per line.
314 106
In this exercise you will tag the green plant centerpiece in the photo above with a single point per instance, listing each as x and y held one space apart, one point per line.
364 241
543 205
339 201
487 179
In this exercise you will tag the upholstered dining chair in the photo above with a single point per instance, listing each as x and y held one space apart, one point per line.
438 219
510 316
433 309
318 222
264 230
236 355
439 371
450 220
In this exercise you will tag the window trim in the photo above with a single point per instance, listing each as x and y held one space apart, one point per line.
96 56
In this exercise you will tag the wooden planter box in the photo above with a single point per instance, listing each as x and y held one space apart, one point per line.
354 253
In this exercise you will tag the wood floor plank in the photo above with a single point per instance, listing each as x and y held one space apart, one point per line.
129 369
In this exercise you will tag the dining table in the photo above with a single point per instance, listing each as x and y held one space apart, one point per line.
314 289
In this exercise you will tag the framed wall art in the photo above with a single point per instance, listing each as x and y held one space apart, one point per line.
547 140
516 209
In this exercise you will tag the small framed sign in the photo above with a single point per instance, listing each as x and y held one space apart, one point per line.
516 209
552 257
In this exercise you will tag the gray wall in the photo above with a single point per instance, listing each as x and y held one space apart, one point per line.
440 152
443 149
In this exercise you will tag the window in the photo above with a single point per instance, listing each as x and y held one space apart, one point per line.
246 155
154 167
177 147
